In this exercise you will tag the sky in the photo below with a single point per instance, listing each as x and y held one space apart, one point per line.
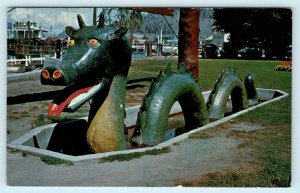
55 17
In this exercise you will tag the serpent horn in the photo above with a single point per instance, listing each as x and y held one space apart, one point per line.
101 21
80 21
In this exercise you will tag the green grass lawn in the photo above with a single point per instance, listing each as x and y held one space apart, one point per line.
209 70
271 146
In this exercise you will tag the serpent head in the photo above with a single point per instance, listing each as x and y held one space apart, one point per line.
94 56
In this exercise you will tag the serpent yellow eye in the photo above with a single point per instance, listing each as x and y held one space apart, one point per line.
94 42
71 43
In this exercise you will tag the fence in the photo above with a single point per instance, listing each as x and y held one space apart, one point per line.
26 61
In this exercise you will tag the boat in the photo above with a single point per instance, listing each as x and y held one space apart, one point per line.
28 45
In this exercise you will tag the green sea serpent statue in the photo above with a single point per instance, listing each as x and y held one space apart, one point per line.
95 68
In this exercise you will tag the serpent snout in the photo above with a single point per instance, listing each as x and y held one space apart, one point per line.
52 75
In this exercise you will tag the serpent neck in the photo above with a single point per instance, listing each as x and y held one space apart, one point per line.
106 131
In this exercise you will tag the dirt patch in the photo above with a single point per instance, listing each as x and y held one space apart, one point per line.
28 86
247 127
241 177
135 96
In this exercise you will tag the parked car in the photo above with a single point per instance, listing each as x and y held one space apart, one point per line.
289 53
210 51
250 53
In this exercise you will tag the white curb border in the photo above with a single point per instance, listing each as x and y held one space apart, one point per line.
18 144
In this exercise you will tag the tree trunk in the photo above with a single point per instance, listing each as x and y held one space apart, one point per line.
188 40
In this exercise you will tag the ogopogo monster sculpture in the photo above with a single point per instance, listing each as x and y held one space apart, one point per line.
95 68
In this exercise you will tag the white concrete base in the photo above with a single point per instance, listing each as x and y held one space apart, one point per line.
43 134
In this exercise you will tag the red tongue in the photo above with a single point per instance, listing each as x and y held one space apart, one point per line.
52 108
57 109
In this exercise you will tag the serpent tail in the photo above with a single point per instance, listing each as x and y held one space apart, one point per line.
229 85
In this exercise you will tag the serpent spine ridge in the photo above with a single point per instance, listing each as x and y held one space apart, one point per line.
167 88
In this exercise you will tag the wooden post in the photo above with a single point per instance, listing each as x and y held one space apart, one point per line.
188 40
148 48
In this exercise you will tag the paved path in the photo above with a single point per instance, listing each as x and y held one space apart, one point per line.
188 160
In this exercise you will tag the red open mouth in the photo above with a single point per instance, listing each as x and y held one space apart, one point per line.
64 99
75 95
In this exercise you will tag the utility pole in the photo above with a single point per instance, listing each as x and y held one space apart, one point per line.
95 16
28 25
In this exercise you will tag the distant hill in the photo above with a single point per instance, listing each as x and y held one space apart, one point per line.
153 23
62 35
